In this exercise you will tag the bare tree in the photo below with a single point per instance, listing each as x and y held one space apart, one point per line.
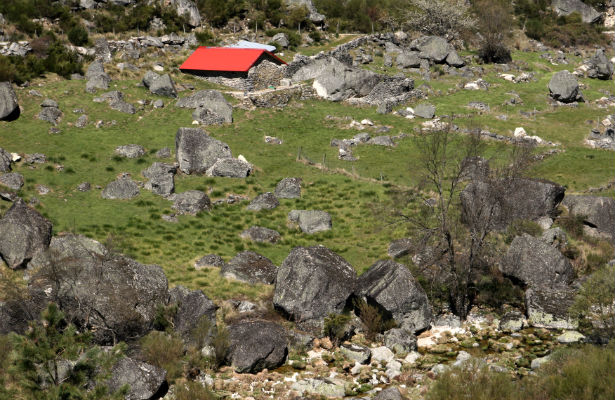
454 246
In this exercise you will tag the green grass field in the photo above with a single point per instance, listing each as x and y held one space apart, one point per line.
346 190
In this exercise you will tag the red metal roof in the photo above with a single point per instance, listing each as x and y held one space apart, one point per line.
224 59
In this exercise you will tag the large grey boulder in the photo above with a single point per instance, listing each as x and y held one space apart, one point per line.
163 86
5 160
206 116
597 212
161 178
149 78
433 48
400 340
230 168
196 152
95 68
96 77
188 9
192 307
144 381
392 288
391 393
341 83
501 202
265 201
111 295
191 202
313 15
288 188
305 68
600 66
408 59
566 7
12 180
400 247
122 189
311 283
564 87
250 267
24 233
49 113
425 110
9 108
256 345
102 51
311 221
534 262
212 100
261 234
130 151
281 39
548 307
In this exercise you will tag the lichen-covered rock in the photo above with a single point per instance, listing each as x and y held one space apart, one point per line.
192 306
161 178
130 151
564 87
311 283
311 221
256 345
250 267
196 151
24 233
144 381
9 108
12 180
230 168
211 100
597 212
288 188
265 201
393 289
191 202
549 307
534 262
261 234
122 189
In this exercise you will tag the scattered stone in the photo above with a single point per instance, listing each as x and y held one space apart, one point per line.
400 340
165 152
391 393
288 188
256 345
42 189
425 110
50 112
570 337
265 201
161 178
281 39
382 141
163 86
122 189
250 267
211 100
12 180
84 187
355 352
538 362
158 104
512 321
5 160
210 260
320 387
82 121
311 221
311 283
260 234
230 168
130 151
24 234
191 202
600 67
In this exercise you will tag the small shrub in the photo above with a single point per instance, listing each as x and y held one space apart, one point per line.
595 300
192 391
335 327
201 332
205 38
315 36
573 225
220 342
164 351
78 36
520 226
163 319
370 317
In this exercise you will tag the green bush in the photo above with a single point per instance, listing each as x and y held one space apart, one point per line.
335 327
78 35
595 299
165 351
520 226
205 38
220 342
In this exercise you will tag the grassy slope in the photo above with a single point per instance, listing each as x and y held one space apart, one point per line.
135 226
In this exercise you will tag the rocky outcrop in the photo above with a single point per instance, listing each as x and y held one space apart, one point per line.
188 9
392 288
288 188
502 202
311 221
341 83
534 262
600 67
250 267
49 111
122 189
9 108
311 283
196 152
564 87
112 295
24 233
144 381
314 15
12 180
191 202
566 7
96 77
437 50
130 151
160 85
256 345
597 212
161 178
5 160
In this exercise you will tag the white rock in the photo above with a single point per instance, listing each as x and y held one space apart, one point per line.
367 122
356 370
242 158
382 353
570 337
607 122
393 369
544 222
15 157
471 86
158 68
537 362
412 357
520 132
195 122
508 77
